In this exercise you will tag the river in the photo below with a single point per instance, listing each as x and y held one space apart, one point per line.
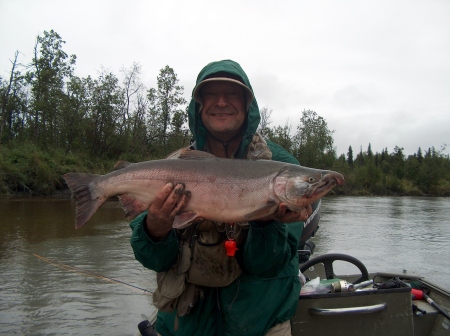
56 280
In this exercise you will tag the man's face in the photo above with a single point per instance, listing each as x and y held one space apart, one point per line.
224 107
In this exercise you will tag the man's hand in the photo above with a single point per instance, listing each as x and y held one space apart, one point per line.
283 214
168 202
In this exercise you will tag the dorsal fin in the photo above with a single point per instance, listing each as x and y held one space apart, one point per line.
121 164
191 154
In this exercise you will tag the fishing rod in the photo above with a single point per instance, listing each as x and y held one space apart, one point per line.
419 295
80 271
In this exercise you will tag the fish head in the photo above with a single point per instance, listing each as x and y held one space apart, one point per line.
298 188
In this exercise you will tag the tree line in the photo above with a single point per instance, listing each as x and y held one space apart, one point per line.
53 121
46 103
367 173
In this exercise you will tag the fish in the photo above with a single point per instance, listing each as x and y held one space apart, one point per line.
222 190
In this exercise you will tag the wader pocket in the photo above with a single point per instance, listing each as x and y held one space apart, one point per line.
188 299
170 287
211 267
185 259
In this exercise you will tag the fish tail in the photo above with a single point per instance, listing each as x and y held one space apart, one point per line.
87 205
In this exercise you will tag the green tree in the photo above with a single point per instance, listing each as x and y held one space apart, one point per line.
360 160
49 69
133 126
180 134
165 102
412 167
14 101
433 172
104 116
314 144
369 152
76 107
263 127
139 136
350 156
398 162
6 111
282 136
419 155
369 177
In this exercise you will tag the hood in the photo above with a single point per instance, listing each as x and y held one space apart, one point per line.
253 116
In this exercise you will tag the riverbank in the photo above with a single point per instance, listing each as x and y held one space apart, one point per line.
28 170
25 169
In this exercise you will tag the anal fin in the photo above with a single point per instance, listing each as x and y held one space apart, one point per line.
264 210
131 206
184 219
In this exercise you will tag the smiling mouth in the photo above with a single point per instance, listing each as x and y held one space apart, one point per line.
221 114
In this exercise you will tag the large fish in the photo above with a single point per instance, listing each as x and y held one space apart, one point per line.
222 190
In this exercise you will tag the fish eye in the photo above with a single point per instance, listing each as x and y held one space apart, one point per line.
311 179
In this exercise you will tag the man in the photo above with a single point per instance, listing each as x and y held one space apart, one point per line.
202 290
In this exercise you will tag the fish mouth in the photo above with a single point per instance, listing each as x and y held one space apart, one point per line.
321 189
325 184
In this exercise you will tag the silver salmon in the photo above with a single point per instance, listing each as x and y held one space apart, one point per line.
222 190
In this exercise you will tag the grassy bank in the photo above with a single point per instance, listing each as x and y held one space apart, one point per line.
26 168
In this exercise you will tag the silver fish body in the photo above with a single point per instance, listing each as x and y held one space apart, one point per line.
222 190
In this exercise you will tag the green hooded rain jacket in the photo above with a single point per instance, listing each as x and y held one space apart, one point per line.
267 292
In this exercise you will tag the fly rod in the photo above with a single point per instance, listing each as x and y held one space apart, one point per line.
80 271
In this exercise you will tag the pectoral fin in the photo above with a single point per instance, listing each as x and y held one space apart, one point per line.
184 219
264 210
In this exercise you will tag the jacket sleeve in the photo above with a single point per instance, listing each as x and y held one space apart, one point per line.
157 256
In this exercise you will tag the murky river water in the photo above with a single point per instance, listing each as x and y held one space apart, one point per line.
71 291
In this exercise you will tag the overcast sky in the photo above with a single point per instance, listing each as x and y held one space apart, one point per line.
377 71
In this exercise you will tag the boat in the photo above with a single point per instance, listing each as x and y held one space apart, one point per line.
384 304
381 303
